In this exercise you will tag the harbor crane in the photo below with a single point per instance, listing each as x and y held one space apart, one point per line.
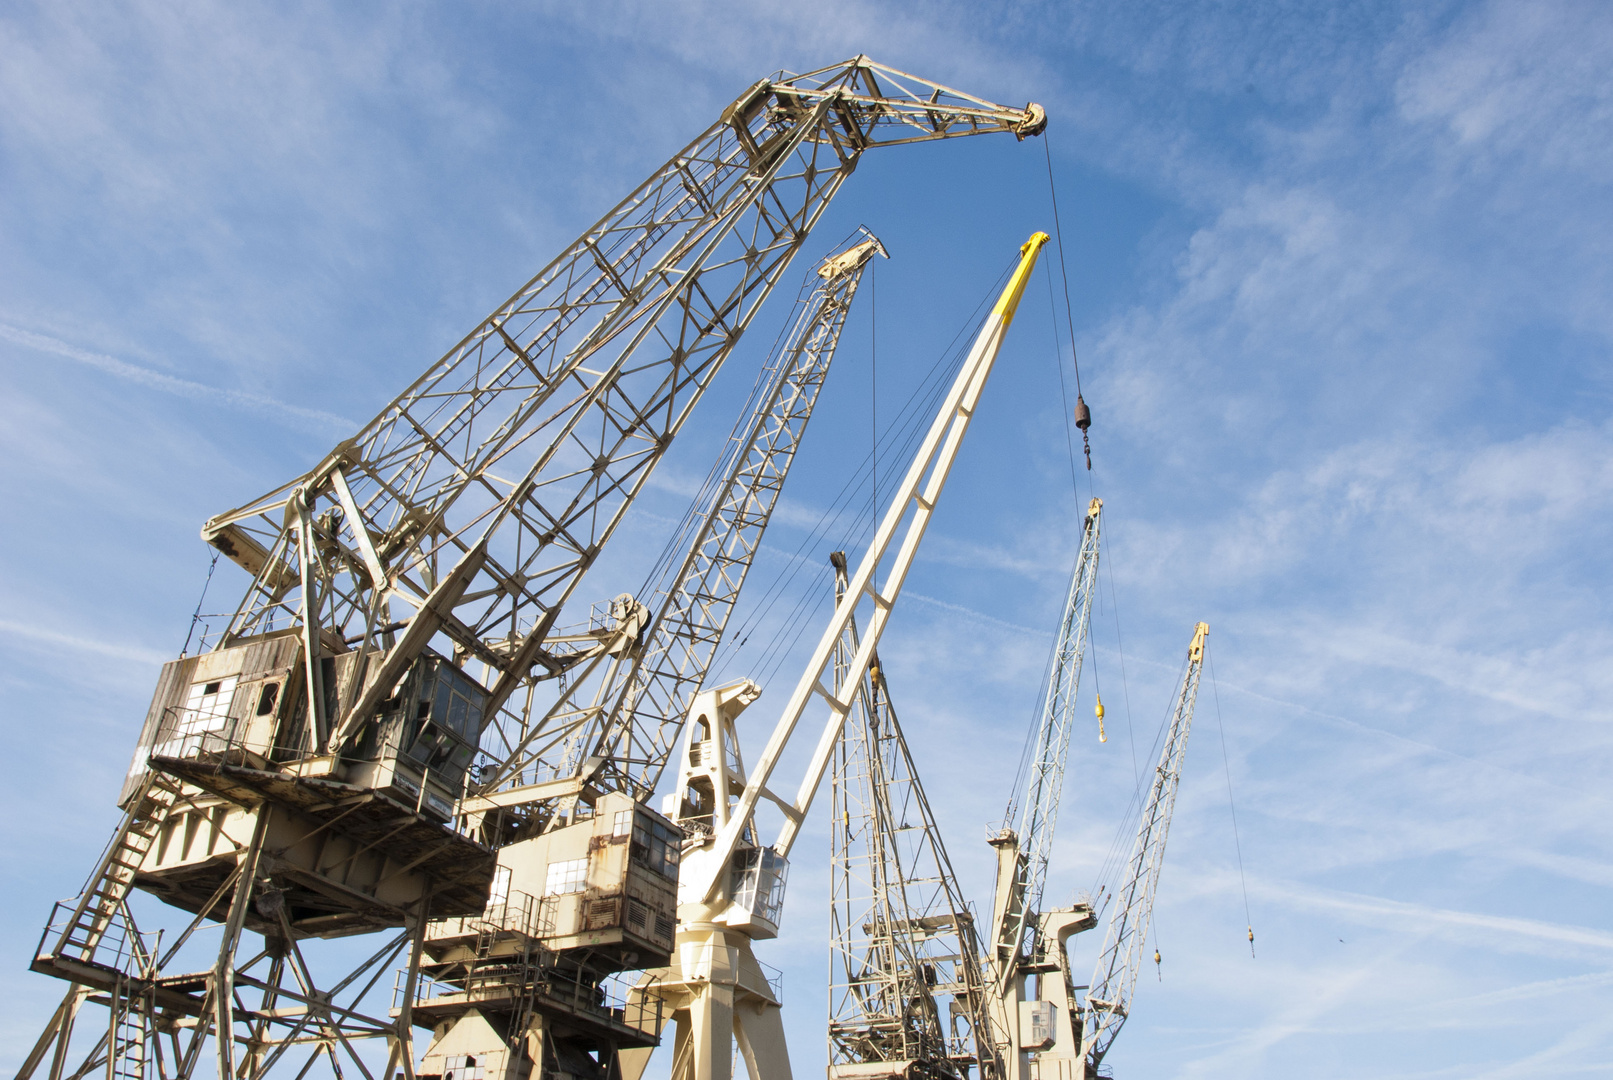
907 988
1108 1001
1026 939
399 732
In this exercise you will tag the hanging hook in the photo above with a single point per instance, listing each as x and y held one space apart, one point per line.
1083 420
1102 735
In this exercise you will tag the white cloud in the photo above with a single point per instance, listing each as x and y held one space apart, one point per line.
42 636
302 418
1522 79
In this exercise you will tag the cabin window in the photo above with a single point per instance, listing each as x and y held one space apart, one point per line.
566 877
622 824
207 707
267 698
656 847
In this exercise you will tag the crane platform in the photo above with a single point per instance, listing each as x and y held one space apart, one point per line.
351 859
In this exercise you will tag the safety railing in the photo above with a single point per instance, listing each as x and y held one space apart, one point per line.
105 940
519 914
619 998
775 980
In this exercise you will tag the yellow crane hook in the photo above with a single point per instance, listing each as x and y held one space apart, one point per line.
1102 735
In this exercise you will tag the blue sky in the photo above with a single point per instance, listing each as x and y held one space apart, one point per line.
1340 278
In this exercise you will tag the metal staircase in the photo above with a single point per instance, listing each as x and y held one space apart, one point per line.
80 937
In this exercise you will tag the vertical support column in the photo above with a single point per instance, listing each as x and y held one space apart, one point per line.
711 1026
760 1030
224 970
402 1051
318 722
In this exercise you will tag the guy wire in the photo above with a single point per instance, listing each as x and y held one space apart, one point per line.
1227 764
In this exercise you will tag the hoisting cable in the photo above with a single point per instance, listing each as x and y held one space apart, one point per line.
924 394
908 430
1125 689
1083 415
656 581
873 383
196 616
1236 843
1064 397
904 432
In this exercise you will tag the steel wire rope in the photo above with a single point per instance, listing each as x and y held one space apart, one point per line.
1226 763
797 561
1118 849
772 370
903 427
1058 230
1021 773
857 533
196 616
873 384
1058 365
842 501
908 428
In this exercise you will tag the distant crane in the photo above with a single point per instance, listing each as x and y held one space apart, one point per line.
907 990
1026 939
1108 1001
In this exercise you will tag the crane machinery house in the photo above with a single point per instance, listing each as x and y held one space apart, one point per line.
235 722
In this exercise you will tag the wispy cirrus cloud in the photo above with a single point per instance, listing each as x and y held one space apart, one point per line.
44 636
296 415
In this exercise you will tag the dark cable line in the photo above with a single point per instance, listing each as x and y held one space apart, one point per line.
873 382
1064 395
904 432
1064 272
196 616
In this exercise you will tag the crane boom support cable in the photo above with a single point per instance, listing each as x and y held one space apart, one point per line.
899 437
1226 763
1064 273
1115 977
909 515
